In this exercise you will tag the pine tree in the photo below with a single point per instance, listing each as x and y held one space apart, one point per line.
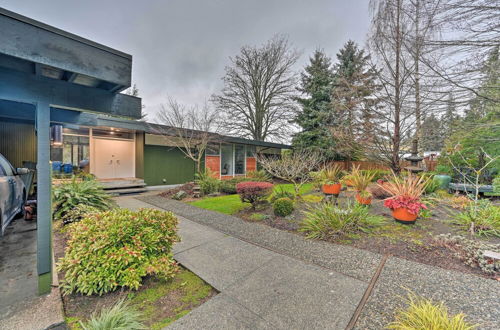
432 135
315 115
353 101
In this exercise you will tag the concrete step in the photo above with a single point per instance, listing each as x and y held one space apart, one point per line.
126 191
122 183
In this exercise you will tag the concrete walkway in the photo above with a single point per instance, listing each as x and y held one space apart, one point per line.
269 278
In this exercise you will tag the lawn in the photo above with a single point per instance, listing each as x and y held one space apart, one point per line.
231 204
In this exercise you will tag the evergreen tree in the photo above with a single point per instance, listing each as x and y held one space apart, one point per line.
353 101
315 115
432 134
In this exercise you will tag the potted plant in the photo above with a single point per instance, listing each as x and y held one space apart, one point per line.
405 197
330 178
348 178
360 182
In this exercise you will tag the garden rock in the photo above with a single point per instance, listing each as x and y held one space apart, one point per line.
181 194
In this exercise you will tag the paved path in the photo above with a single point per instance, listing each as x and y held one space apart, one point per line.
268 278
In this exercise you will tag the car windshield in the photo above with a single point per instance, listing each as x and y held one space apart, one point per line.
5 167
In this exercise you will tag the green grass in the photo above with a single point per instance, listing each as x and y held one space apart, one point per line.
231 204
192 289
228 204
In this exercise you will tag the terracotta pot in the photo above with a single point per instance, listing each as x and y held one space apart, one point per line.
332 189
402 215
363 201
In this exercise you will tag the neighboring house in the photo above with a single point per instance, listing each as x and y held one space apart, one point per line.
60 102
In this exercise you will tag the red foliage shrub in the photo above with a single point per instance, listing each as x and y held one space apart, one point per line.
411 204
254 192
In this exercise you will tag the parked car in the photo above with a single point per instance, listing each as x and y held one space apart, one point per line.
12 193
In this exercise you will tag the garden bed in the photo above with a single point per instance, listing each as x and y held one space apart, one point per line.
159 301
412 242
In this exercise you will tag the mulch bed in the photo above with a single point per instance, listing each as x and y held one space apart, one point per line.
187 187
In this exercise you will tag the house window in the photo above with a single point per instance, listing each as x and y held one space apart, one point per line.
226 164
74 150
213 150
251 152
239 159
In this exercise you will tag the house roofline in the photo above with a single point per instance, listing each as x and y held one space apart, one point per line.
60 32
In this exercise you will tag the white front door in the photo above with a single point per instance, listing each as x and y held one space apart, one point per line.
114 158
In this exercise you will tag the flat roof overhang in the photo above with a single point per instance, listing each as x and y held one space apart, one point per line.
35 47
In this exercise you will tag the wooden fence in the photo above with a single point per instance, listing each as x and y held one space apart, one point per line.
371 165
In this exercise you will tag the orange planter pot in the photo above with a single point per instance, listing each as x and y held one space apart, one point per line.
363 201
332 189
402 215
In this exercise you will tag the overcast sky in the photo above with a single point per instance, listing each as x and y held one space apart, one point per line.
180 47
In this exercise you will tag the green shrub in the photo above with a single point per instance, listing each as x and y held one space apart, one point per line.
207 182
259 216
283 206
260 175
481 217
118 248
280 192
432 186
120 316
328 221
422 313
229 186
78 213
68 195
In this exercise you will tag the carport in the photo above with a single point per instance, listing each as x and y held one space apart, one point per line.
44 72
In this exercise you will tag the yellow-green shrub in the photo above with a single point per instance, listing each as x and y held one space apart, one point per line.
424 314
118 248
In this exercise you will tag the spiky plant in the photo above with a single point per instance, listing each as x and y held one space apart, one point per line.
331 174
121 316
425 314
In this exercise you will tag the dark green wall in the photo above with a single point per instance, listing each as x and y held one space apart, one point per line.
17 141
166 163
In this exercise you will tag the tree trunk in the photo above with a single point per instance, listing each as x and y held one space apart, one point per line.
397 96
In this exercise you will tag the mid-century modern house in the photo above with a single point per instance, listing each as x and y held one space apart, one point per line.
61 109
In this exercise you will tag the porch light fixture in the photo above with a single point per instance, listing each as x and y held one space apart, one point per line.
56 136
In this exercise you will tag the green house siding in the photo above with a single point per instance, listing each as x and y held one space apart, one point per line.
166 165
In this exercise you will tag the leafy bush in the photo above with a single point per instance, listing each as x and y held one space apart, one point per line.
78 213
260 175
229 186
329 221
119 316
207 182
481 217
471 252
424 314
254 192
443 169
259 216
68 195
432 186
280 192
118 248
283 206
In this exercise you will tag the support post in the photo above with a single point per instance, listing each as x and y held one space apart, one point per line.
44 200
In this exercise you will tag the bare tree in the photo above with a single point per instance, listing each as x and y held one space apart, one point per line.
191 129
294 167
256 100
389 30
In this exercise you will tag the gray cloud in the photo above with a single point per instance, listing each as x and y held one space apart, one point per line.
180 47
